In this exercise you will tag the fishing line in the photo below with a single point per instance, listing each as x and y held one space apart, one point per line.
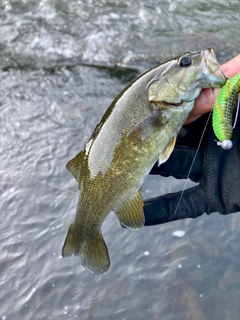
24 174
190 169
53 185
236 115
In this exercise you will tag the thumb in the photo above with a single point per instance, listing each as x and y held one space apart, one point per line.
191 203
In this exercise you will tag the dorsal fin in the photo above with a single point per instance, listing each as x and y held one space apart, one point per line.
74 165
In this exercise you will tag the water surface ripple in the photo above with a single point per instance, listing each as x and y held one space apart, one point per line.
62 63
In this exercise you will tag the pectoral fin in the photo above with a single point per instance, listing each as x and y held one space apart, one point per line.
130 213
148 126
165 154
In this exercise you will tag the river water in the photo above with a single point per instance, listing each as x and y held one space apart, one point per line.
62 63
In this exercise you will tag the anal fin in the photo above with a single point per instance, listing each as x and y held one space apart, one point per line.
130 213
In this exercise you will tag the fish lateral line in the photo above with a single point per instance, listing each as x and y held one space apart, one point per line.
125 170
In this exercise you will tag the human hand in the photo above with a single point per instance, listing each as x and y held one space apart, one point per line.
204 103
216 170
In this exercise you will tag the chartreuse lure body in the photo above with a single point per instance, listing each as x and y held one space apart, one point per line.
227 100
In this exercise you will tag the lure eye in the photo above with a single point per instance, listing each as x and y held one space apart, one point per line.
185 62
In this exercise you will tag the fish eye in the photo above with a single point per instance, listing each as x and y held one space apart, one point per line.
185 62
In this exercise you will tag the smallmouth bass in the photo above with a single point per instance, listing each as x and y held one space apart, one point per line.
138 129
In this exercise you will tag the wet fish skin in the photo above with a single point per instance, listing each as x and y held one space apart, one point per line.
138 129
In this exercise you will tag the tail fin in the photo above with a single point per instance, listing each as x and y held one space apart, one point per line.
93 250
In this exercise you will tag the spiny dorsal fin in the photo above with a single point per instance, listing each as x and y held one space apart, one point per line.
130 213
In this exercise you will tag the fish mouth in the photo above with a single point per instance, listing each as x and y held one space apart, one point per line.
211 68
165 105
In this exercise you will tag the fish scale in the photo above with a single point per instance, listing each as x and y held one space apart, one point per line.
138 129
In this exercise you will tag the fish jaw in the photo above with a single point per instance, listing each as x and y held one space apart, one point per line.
177 84
211 69
138 129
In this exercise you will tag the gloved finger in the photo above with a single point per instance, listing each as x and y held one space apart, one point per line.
175 206
190 135
187 154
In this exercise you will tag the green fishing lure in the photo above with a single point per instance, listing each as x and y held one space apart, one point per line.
227 100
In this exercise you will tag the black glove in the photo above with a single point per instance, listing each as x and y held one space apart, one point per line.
216 170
